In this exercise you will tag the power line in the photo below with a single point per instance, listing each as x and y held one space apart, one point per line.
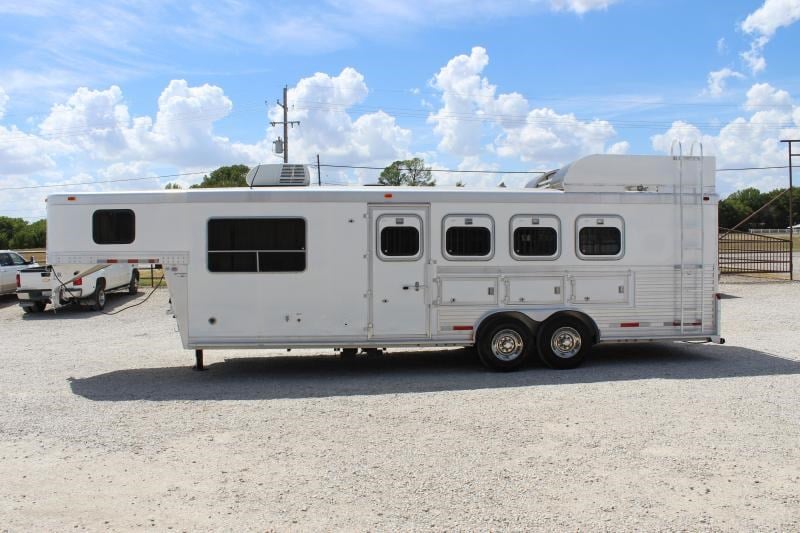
447 170
355 167
54 185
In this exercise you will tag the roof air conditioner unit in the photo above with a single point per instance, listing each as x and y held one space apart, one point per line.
280 175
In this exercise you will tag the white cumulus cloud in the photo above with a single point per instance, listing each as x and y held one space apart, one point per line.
762 24
745 141
471 109
322 104
718 80
580 6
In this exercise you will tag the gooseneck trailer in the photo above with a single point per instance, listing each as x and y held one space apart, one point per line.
611 248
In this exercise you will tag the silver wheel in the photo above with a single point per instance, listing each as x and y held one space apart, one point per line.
101 298
565 342
507 345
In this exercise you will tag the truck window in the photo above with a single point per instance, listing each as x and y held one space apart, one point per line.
257 245
113 226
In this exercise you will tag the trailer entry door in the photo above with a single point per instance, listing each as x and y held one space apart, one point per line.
399 244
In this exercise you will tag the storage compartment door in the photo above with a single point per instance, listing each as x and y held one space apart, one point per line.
531 291
611 289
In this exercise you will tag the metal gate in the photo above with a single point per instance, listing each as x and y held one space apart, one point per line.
741 252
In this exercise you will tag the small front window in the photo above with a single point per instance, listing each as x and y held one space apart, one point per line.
535 242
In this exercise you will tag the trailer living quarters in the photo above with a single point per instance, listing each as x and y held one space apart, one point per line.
607 249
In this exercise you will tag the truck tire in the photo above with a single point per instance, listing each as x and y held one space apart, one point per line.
99 296
505 345
563 342
133 286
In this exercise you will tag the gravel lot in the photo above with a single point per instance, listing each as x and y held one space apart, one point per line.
104 426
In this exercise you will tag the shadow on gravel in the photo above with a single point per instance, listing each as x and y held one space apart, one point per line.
7 300
317 376
114 302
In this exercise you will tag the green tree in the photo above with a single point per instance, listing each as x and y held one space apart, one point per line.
8 228
31 236
412 172
231 176
171 186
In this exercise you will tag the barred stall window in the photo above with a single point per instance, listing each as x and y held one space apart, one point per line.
400 241
113 226
600 241
257 245
466 241
541 242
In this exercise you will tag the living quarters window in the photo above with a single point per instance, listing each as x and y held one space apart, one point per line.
256 245
535 237
468 237
113 226
600 237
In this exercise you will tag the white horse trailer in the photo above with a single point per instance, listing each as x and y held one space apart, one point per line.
607 249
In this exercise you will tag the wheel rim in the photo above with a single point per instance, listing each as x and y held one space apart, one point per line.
507 345
101 297
135 283
565 342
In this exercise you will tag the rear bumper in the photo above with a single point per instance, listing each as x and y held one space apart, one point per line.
24 295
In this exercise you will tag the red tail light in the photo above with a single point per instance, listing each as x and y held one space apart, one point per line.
77 282
18 284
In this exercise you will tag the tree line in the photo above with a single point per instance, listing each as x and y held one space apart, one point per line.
16 233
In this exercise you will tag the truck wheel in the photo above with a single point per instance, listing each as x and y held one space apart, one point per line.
505 346
563 343
348 353
99 298
133 286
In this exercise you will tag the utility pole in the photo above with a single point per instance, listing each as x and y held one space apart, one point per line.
319 173
790 144
286 123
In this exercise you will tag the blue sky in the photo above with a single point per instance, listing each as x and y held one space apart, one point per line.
112 91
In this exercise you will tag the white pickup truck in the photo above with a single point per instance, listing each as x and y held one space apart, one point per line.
58 285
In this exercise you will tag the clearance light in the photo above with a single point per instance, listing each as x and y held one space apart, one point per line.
71 198
77 282
387 195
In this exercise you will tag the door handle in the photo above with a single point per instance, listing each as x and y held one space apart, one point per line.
416 286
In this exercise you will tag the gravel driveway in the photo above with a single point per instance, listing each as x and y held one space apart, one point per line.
104 426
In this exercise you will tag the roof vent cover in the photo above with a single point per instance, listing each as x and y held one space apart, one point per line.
280 175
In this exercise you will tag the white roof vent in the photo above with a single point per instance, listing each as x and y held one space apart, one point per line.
280 175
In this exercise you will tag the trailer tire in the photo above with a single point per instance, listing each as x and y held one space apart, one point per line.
348 353
504 345
133 286
563 342
99 296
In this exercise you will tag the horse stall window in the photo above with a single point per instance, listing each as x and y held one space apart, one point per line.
600 237
535 237
400 241
468 237
256 245
113 226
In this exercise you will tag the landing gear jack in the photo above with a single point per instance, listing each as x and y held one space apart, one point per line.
198 357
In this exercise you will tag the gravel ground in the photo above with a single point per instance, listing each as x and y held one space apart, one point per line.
103 426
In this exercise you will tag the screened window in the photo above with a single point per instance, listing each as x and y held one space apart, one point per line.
538 242
400 241
600 241
257 245
113 226
468 241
